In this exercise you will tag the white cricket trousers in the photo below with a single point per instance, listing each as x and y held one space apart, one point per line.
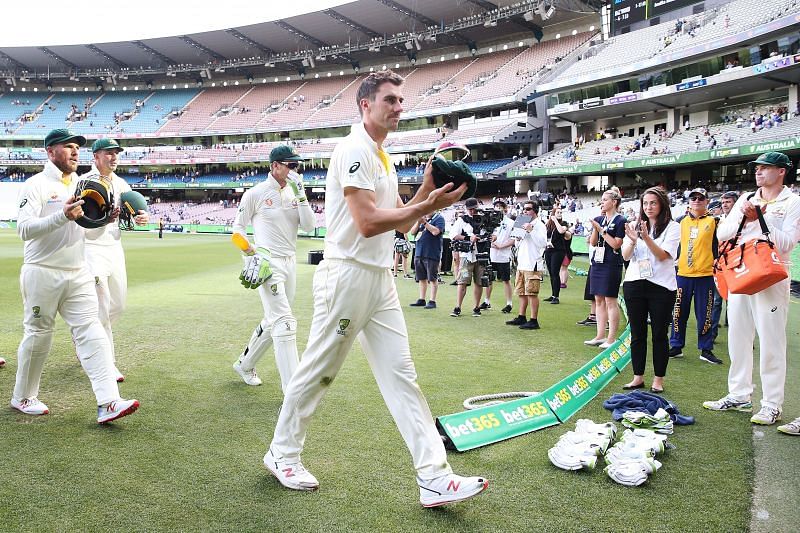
107 264
278 328
70 293
351 299
764 313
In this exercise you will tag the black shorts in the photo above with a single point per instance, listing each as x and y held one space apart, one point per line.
502 271
426 268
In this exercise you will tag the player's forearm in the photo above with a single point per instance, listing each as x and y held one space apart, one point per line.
31 228
307 219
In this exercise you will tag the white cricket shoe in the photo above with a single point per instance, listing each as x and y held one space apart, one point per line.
2 362
792 428
30 406
766 416
449 488
248 376
116 409
291 475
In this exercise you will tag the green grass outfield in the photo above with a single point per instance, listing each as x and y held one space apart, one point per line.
190 459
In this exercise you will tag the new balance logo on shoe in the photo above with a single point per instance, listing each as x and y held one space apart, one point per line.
453 485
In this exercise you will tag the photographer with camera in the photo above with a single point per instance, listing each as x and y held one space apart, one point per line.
472 242
530 262
502 244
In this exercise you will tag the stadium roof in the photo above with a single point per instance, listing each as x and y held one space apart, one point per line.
341 35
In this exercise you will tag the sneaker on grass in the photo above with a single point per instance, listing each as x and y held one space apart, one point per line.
30 406
590 320
506 309
675 352
476 311
456 312
485 305
419 303
291 475
248 376
729 404
792 428
449 488
116 409
430 305
709 357
766 416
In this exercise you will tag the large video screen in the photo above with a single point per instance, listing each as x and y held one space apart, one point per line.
627 12
659 7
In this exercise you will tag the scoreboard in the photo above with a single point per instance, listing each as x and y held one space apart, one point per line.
627 12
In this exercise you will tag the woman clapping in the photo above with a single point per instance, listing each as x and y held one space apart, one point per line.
651 245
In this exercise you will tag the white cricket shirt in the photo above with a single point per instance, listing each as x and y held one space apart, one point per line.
51 239
355 163
275 215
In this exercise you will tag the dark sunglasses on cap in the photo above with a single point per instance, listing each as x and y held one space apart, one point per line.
291 164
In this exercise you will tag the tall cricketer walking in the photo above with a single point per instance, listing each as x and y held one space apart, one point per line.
275 207
355 296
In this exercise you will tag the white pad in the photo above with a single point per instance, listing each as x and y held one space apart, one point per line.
284 339
257 346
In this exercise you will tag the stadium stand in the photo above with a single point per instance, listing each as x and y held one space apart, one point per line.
669 37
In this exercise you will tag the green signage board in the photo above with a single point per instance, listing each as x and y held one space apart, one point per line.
490 424
493 423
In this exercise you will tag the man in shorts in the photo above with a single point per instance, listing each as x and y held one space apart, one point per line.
530 263
427 256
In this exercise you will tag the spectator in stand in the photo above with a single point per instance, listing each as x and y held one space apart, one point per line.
605 273
651 245
558 237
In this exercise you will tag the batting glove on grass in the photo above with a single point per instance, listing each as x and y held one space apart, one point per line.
256 269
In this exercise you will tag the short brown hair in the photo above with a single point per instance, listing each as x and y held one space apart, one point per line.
369 87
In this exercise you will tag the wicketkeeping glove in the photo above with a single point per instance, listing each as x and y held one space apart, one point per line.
297 188
256 269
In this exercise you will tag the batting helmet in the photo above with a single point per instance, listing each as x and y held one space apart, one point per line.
98 203
130 203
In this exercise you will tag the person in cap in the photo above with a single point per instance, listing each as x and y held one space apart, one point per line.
726 204
276 208
56 279
104 254
695 277
466 229
502 243
766 312
355 297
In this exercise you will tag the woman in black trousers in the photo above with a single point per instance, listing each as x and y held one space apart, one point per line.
558 236
651 245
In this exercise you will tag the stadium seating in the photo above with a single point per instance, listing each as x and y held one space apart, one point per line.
55 111
202 111
14 105
157 106
735 17
105 107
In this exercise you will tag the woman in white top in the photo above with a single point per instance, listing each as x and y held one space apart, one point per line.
651 245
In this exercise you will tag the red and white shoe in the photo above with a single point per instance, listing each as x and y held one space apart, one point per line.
449 488
120 377
2 362
291 475
30 406
116 409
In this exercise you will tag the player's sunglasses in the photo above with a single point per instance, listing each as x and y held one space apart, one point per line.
292 164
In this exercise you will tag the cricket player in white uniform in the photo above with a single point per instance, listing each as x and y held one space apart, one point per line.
276 208
104 254
55 279
765 312
355 296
